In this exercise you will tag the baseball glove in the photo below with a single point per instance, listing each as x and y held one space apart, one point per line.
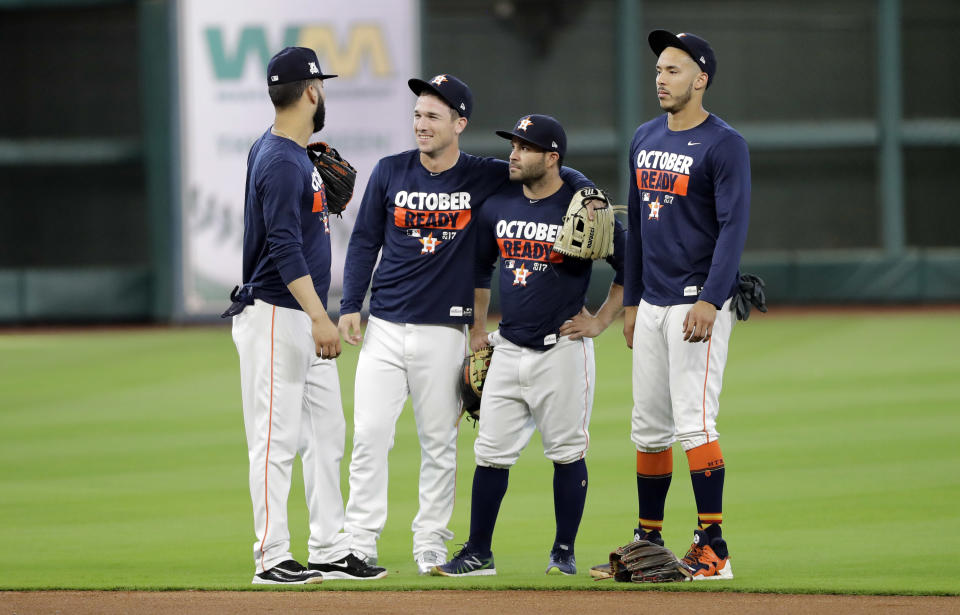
749 292
338 175
582 237
642 561
473 373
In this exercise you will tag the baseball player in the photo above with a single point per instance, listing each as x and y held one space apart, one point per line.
688 214
416 213
541 375
286 342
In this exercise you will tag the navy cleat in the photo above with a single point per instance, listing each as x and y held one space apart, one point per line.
466 562
562 560
708 559
651 536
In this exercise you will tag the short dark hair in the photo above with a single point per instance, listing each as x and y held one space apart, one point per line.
285 94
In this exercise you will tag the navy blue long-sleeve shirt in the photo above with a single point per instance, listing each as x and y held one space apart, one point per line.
539 288
286 233
420 224
689 208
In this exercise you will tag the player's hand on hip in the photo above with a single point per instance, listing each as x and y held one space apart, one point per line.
327 339
698 324
479 338
583 324
629 322
349 327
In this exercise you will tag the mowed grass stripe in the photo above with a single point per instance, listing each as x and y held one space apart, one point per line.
123 463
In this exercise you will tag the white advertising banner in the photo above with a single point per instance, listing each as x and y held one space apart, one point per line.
224 47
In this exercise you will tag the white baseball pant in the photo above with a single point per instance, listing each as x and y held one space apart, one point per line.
397 360
676 384
291 405
527 389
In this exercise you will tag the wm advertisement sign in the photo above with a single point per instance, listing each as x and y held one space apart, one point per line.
224 48
364 47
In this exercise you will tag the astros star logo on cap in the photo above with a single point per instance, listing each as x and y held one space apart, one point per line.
438 80
522 124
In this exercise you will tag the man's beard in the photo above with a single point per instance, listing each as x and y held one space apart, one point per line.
319 116
680 101
532 173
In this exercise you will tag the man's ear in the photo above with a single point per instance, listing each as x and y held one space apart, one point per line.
701 81
313 92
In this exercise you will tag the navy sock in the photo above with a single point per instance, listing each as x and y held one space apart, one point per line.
569 495
707 472
654 473
708 493
489 487
652 496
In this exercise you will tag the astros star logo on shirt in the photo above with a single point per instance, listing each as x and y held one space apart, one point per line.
429 244
654 210
520 275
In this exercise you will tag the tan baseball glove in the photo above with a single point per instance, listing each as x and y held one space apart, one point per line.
581 237
473 373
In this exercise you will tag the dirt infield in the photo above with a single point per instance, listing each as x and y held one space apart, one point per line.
461 602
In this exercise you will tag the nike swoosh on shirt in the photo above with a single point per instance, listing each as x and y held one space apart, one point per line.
693 143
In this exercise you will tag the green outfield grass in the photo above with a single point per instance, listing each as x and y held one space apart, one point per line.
123 464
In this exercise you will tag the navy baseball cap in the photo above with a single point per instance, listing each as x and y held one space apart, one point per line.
699 49
541 130
450 89
294 64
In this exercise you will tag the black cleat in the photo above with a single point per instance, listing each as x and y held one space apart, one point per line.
289 572
350 567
